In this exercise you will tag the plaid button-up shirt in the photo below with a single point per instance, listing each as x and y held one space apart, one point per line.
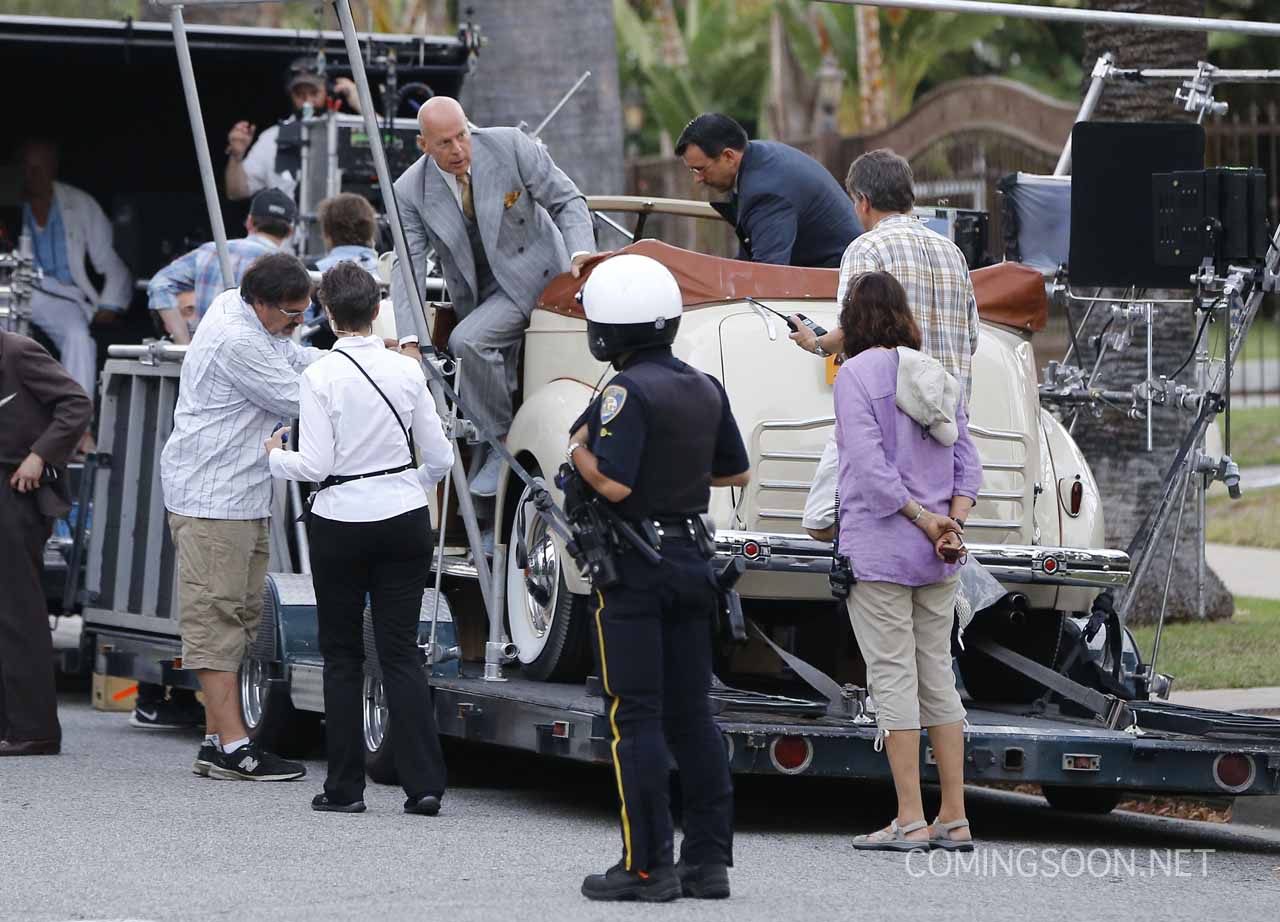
935 276
237 382
199 271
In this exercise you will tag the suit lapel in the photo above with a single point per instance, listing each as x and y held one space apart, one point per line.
445 217
486 187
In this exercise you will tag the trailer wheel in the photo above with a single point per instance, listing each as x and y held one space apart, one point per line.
269 715
379 757
1081 800
549 624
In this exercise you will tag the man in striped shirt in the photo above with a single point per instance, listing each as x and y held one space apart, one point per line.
930 267
272 216
239 378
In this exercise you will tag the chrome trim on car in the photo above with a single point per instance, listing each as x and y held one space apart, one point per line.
1097 568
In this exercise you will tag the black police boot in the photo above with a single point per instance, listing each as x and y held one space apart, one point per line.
703 881
658 885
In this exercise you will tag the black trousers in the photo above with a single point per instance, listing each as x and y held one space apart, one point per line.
654 637
388 560
28 699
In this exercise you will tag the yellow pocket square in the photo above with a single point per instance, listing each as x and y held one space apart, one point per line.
511 198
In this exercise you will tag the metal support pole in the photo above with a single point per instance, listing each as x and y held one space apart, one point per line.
495 650
1150 316
1062 14
1173 556
370 116
202 145
1099 79
560 105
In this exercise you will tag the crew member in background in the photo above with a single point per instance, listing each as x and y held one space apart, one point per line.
348 224
251 169
660 435
272 216
786 208
66 225
931 269
499 241
239 378
43 414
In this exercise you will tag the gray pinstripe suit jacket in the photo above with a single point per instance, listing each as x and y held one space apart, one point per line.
531 217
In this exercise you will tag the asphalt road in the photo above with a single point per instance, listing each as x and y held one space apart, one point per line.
119 828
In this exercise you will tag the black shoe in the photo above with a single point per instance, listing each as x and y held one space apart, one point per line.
322 803
704 881
206 758
252 763
658 885
426 805
167 714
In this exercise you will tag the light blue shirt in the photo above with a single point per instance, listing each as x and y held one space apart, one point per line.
364 257
50 243
200 271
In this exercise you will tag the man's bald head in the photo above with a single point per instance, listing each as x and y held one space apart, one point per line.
444 135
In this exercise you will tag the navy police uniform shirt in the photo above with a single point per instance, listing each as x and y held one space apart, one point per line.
664 429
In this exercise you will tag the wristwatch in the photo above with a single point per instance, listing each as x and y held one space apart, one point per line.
573 446
818 350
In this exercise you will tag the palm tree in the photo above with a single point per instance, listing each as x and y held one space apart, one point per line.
1129 476
535 51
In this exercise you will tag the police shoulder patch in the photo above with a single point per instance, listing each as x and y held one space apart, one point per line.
611 402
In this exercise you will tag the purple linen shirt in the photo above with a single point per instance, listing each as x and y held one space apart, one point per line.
886 459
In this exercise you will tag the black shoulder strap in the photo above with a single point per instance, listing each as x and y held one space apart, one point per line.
408 436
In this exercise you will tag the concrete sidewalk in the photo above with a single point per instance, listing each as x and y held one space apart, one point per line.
1248 571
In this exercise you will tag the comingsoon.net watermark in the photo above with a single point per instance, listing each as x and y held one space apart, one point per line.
1062 862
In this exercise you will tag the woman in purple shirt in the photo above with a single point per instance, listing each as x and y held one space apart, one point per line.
909 474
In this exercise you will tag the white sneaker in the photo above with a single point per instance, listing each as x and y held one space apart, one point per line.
485 483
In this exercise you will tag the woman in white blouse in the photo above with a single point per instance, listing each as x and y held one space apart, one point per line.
365 411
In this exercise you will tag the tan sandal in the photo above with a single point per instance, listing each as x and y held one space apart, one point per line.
940 836
893 839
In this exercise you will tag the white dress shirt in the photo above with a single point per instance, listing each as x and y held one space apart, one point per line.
237 382
347 428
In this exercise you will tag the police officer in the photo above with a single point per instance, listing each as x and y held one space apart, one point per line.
659 436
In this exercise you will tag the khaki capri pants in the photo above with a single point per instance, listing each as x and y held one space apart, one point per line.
904 633
222 565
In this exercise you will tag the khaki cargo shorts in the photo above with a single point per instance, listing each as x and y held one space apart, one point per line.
904 633
222 566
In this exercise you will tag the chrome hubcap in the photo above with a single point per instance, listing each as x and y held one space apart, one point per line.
253 691
541 576
375 713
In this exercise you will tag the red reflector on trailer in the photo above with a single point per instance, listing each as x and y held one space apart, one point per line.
791 754
751 550
1234 771
560 729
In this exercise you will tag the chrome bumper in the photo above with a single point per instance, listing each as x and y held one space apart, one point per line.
1009 563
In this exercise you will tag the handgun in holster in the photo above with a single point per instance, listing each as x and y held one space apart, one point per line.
731 626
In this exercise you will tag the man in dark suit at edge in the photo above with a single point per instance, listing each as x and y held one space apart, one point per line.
786 208
43 414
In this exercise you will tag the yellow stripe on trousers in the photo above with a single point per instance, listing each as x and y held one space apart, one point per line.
617 737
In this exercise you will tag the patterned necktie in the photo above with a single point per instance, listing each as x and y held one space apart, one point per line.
468 202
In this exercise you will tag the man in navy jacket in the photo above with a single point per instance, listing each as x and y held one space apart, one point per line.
786 208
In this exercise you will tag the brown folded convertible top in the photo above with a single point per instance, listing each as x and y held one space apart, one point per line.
1007 293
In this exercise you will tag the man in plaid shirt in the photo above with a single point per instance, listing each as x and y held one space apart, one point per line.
932 270
930 267
198 274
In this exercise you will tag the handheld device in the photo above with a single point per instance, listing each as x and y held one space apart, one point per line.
817 330
276 428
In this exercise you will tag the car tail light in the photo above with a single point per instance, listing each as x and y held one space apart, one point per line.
1234 771
1071 495
751 550
791 754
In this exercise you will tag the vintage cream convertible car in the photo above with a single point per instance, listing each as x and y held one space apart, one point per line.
1038 524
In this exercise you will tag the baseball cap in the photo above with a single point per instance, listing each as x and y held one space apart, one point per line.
303 70
275 205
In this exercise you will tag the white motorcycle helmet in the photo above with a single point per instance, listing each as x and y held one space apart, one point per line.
632 302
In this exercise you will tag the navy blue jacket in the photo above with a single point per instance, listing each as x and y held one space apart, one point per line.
788 209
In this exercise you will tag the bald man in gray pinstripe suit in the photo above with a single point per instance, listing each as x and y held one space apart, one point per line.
503 220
